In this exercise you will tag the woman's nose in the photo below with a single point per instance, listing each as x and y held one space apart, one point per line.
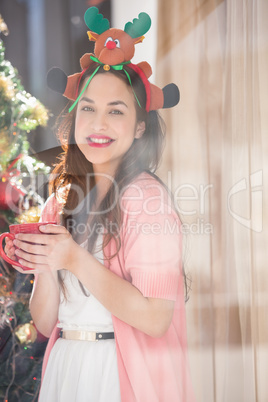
99 122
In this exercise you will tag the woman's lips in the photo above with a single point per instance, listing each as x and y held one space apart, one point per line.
99 141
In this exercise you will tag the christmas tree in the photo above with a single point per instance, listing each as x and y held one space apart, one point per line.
21 346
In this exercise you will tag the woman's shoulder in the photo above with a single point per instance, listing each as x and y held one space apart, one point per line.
146 182
147 193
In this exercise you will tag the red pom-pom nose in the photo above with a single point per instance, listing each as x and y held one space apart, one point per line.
110 45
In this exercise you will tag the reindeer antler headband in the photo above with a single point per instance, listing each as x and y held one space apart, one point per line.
114 48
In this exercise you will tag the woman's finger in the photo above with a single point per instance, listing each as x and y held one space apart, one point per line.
31 267
10 252
9 244
31 248
53 229
8 247
43 238
32 258
8 241
33 238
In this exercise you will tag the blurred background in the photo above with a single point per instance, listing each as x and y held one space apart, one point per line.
215 160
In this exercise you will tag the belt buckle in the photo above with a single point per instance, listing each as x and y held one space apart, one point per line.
91 336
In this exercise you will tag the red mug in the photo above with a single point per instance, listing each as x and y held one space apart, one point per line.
31 228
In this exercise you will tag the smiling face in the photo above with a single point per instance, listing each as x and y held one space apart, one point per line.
106 123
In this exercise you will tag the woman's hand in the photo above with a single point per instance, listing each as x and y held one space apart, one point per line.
10 252
10 249
53 250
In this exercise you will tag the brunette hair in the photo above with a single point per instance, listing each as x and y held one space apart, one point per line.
74 171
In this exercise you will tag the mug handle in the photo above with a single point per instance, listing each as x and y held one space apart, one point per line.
3 254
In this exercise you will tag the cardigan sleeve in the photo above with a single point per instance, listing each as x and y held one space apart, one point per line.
51 210
151 240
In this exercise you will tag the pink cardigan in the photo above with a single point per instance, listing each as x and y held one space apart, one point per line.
150 369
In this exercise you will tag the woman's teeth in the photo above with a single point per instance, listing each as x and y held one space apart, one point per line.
100 140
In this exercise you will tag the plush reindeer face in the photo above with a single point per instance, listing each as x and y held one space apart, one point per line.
115 46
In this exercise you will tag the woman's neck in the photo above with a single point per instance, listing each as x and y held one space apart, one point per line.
104 180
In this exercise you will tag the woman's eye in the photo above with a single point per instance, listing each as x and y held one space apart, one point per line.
116 111
87 109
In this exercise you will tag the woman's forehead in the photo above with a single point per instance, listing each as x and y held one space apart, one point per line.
108 83
109 89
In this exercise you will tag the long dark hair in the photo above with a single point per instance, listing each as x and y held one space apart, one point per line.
74 171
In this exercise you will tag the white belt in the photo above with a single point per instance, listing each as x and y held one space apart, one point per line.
91 336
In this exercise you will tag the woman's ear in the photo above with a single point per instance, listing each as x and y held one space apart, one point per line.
140 129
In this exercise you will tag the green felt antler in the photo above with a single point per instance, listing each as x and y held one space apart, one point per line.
139 26
95 21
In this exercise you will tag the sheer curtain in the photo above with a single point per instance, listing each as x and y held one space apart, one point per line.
216 163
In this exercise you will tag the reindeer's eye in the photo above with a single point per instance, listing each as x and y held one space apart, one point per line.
108 40
117 42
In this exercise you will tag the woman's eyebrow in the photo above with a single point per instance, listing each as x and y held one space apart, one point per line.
117 102
113 103
85 98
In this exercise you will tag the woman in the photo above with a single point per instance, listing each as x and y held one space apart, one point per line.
110 278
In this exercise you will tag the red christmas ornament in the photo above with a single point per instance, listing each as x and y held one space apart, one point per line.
10 193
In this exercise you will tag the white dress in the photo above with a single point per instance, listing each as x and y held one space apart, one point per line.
82 371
